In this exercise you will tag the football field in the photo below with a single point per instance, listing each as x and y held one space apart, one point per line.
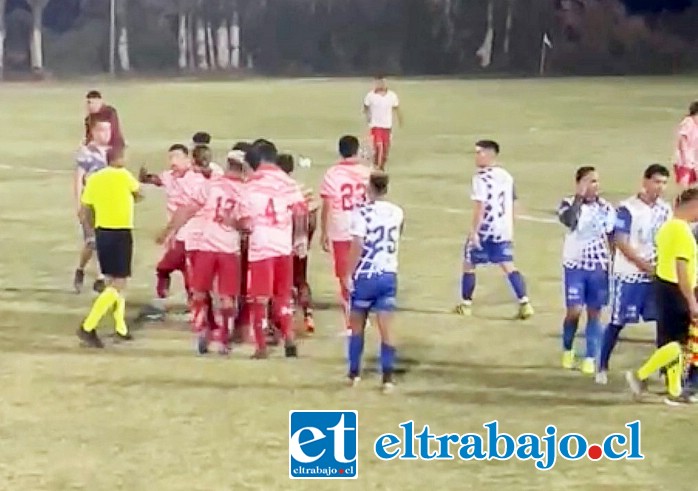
152 416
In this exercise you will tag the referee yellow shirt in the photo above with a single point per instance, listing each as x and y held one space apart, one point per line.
110 192
675 240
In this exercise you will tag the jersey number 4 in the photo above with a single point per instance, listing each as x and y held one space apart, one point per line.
349 192
270 212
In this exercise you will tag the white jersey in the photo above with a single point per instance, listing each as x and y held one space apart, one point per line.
380 108
494 188
586 242
639 222
379 224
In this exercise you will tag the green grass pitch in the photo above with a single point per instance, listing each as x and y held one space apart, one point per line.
153 417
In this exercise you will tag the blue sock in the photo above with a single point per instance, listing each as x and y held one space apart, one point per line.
467 286
356 350
518 284
569 329
387 358
608 343
592 334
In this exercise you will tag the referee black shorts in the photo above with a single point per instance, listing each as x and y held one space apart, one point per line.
114 251
673 315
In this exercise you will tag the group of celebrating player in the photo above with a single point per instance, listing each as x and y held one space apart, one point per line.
241 234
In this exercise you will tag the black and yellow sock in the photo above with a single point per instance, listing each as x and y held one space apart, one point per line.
100 307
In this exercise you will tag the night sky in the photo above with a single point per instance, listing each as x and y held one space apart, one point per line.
658 5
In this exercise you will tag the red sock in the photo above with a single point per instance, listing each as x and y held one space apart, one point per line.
258 311
211 314
227 327
162 289
199 315
283 318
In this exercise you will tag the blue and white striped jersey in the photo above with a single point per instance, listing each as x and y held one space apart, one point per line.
589 224
379 224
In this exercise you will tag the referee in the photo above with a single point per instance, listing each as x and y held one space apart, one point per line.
677 308
107 203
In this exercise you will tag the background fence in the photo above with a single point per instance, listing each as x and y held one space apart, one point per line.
344 37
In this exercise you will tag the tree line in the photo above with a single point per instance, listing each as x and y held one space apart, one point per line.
343 37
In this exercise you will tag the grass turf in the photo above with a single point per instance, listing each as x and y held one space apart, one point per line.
152 416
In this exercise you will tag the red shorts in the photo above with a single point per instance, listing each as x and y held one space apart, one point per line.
300 271
685 174
174 258
381 139
271 277
340 251
207 266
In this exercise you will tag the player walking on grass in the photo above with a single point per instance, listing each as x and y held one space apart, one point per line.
585 258
278 211
686 158
180 182
380 105
632 297
343 188
108 202
376 228
492 230
221 206
91 158
677 308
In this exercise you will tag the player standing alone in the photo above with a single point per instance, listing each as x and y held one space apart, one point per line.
686 160
637 222
343 188
492 230
379 107
376 228
585 257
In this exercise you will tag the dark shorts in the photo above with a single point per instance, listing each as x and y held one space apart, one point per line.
115 251
673 316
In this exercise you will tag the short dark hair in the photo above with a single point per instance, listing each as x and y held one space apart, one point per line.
178 147
693 108
655 169
94 119
201 155
286 163
201 138
267 151
488 145
690 194
378 182
93 94
583 171
242 146
349 146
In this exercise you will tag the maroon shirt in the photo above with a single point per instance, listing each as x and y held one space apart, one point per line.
107 113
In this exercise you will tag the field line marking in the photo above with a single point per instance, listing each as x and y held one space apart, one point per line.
456 211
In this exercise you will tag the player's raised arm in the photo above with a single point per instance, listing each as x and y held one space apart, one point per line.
570 208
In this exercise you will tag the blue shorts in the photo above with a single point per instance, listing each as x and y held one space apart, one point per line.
489 253
631 302
586 288
374 294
